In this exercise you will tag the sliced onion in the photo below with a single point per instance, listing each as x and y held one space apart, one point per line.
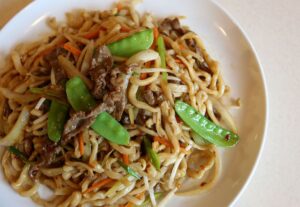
16 132
143 57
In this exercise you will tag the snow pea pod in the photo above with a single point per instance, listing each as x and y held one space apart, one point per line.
57 118
79 96
161 48
154 158
204 127
133 44
104 125
108 127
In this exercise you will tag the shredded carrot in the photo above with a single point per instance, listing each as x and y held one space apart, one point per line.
81 143
129 204
68 46
126 159
143 76
99 184
162 141
182 47
93 33
178 119
178 61
93 164
139 196
182 146
148 64
124 29
119 6
153 46
155 33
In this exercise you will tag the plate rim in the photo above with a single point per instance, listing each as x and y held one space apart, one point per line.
266 101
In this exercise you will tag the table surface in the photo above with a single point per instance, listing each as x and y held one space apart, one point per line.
274 29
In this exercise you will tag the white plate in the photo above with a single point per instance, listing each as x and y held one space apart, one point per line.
225 42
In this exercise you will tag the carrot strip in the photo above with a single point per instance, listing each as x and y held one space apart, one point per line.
126 159
81 144
182 47
72 49
119 6
162 141
155 33
129 204
143 76
93 34
99 184
178 61
139 196
125 29
148 64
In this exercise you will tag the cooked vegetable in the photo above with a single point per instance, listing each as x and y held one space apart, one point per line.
161 48
133 44
68 46
106 126
153 156
147 201
204 127
93 33
162 53
126 159
199 140
18 153
57 118
99 184
81 143
17 131
163 141
129 170
78 95
53 94
72 71
155 33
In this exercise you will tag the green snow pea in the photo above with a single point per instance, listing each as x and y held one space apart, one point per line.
154 158
105 125
204 127
129 170
57 118
161 48
79 96
133 44
198 139
108 127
